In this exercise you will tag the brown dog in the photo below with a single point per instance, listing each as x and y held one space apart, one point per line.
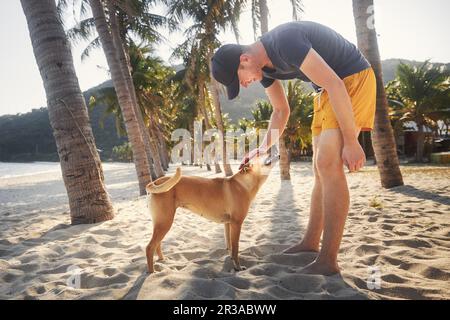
223 200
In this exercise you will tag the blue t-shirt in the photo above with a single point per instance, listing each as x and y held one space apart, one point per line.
288 44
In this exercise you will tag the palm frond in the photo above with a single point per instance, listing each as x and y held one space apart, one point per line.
94 44
256 18
61 7
83 30
297 9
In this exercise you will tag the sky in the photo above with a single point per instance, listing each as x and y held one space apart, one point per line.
408 29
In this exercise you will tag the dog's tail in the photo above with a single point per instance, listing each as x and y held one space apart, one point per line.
164 186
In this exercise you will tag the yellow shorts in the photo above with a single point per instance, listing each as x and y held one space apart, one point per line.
362 89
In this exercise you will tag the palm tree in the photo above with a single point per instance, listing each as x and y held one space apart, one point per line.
260 18
134 132
123 17
383 138
81 168
260 15
195 84
154 94
107 97
297 133
261 117
298 129
261 114
418 94
185 109
214 89
124 61
208 17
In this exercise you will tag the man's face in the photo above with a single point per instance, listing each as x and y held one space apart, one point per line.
248 70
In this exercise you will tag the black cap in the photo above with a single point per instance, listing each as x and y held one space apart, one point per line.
224 65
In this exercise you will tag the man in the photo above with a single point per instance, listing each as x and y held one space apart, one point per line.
345 106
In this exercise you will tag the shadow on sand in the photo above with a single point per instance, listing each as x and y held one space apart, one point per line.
421 194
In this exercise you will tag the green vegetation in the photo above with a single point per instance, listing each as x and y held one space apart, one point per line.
28 137
420 94
123 153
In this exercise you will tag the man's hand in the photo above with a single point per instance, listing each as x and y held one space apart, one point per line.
353 156
249 156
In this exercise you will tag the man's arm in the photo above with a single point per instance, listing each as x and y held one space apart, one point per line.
278 120
280 115
319 72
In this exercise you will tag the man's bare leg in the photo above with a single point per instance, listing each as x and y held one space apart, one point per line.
311 239
336 200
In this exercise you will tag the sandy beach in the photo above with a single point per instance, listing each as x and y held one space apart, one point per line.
396 243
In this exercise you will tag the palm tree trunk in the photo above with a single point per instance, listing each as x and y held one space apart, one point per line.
155 156
217 167
219 120
123 95
81 168
264 12
420 141
284 160
192 160
155 141
196 86
383 138
204 112
155 150
284 153
155 166
363 142
218 115
164 151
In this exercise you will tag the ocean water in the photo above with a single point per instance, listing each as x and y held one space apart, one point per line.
13 169
10 169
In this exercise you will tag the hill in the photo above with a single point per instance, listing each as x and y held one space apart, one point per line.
28 137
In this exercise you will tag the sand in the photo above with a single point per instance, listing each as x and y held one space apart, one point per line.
396 243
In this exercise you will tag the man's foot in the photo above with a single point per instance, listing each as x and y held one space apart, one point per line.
325 269
301 247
